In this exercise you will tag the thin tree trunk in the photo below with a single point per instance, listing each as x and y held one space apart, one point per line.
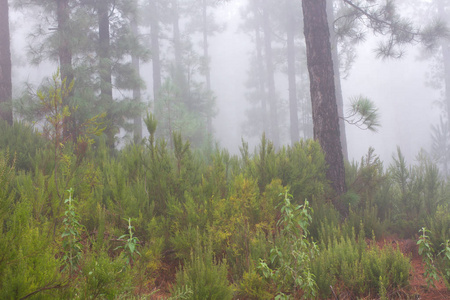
445 46
293 107
178 68
156 61
261 71
323 98
64 48
105 67
104 44
65 60
137 121
274 130
337 78
5 65
206 58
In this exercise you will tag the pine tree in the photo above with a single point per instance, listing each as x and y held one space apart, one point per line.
5 65
323 97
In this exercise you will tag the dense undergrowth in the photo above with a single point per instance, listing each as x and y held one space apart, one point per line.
79 221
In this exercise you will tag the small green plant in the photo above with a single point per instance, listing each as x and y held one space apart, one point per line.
445 265
130 244
71 235
293 252
426 251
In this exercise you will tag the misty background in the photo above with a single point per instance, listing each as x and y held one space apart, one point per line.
406 104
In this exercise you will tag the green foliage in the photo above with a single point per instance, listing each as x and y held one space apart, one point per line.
293 252
22 140
363 114
348 265
7 176
439 225
104 278
205 275
32 267
71 235
302 167
254 287
173 195
444 265
427 252
130 245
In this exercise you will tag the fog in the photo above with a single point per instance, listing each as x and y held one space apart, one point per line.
397 87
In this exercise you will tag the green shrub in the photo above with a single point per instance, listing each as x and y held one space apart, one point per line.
439 225
103 277
349 266
290 258
23 141
32 269
205 275
254 287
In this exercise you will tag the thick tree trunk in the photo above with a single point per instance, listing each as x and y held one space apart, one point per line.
293 107
156 61
337 78
323 98
5 65
274 130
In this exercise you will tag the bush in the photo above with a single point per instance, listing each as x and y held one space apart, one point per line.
254 287
204 275
23 141
349 266
103 277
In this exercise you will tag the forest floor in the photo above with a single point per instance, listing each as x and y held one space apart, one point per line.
418 286
417 289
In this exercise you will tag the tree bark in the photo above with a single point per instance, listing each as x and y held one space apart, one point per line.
323 97
260 66
337 77
5 65
135 61
445 47
65 60
156 61
206 58
105 68
64 48
293 107
103 53
178 68
274 130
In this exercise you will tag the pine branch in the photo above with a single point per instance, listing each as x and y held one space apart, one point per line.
386 21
